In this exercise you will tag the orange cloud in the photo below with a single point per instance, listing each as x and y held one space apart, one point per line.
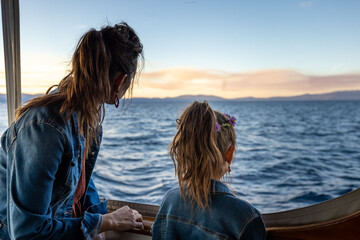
265 83
184 81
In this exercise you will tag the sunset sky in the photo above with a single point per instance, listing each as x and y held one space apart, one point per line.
228 48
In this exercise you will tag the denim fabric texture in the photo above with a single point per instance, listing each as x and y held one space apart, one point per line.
227 218
40 165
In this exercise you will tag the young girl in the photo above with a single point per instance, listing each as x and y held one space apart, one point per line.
203 207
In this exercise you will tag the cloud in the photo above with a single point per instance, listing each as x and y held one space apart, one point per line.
181 81
265 83
180 78
306 4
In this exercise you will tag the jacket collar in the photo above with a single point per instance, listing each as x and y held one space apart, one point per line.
219 187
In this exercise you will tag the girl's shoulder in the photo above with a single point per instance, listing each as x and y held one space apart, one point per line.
227 212
235 203
228 203
238 214
171 195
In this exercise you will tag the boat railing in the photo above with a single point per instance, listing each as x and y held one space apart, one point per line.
338 218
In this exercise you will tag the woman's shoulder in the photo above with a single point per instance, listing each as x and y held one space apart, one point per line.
42 121
47 115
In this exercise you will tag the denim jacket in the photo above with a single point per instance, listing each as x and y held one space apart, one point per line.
228 217
40 165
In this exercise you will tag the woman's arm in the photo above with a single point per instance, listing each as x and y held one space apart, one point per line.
36 155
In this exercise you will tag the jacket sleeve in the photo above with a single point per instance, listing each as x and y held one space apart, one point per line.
255 230
92 202
37 154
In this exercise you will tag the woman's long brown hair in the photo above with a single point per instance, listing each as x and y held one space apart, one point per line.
198 150
98 58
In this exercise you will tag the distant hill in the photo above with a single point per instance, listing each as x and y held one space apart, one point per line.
197 97
340 95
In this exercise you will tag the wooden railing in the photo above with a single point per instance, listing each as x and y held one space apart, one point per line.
340 228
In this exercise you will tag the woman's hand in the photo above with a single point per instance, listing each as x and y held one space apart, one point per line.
122 219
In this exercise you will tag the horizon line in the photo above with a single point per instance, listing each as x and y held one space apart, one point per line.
215 96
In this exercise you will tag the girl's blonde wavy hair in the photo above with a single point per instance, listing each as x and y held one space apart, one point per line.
198 150
98 58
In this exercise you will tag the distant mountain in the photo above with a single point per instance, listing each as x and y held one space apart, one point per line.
185 98
340 95
198 97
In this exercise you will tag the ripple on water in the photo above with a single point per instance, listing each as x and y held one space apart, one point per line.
311 197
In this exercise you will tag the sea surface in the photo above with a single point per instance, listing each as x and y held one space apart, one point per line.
289 154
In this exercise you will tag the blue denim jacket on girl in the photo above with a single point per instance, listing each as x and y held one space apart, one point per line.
40 165
227 218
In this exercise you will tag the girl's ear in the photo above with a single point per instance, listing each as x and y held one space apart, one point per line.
229 154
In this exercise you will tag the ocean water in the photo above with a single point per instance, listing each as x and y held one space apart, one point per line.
289 154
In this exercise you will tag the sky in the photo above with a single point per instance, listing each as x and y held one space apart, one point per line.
228 48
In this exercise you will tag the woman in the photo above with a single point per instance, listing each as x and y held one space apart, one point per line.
203 207
47 156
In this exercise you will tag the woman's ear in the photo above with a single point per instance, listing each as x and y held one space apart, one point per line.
229 154
119 80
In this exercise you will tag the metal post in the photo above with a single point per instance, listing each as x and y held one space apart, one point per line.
11 35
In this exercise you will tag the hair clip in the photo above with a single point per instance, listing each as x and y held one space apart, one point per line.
232 122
